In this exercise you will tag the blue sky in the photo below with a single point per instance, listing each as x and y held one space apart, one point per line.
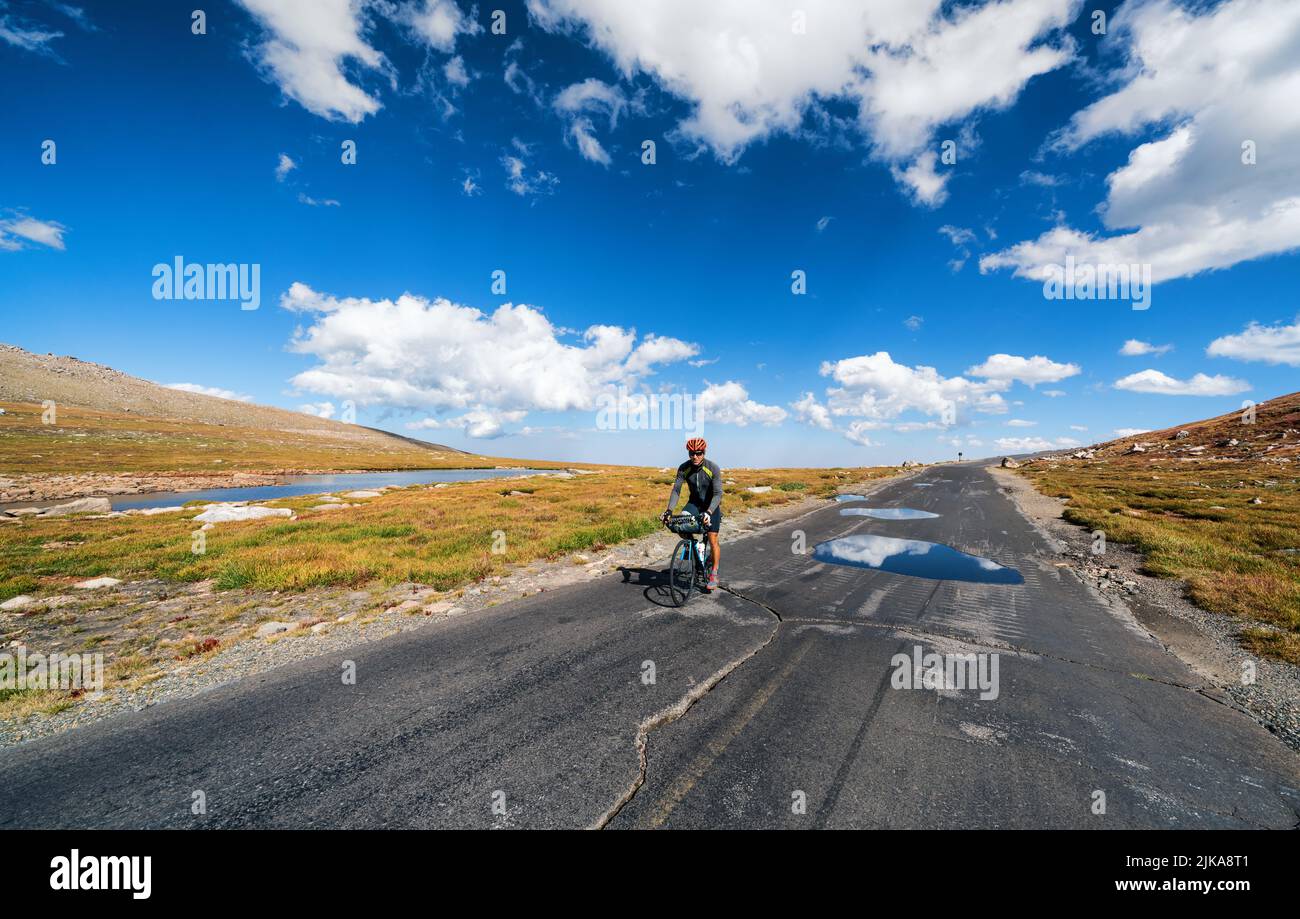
924 328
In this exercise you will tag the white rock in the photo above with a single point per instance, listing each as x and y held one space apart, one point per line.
225 513
362 494
18 602
151 511
267 629
758 489
82 506
96 583
320 627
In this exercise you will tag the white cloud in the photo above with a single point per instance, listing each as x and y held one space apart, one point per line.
316 202
1030 370
1273 344
455 72
1135 348
18 231
1021 423
1129 432
1054 393
876 388
479 424
909 67
1078 427
1153 381
438 22
810 411
1203 80
307 45
1033 444
914 322
26 35
823 223
729 403
575 102
210 391
319 409
284 167
521 183
438 356
857 432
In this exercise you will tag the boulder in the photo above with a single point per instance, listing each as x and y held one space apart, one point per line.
1009 463
363 494
96 583
19 602
80 506
225 513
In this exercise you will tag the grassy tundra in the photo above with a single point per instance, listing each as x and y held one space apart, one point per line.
442 537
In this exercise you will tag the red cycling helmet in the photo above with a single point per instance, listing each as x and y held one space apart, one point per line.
696 444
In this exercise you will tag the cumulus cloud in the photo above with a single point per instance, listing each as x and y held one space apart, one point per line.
20 231
1033 444
438 356
1030 370
1153 381
810 411
1272 344
284 167
479 424
1201 82
874 387
908 67
1135 348
210 391
437 23
729 403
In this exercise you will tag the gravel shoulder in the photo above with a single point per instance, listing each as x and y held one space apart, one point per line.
1206 642
297 626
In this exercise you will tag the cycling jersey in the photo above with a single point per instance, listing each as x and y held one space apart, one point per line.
704 483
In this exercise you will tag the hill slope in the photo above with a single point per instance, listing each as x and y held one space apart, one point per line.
1215 503
108 422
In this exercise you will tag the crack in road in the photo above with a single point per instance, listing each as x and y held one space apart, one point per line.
675 711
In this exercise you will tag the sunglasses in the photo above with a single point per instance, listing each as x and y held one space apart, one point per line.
695 452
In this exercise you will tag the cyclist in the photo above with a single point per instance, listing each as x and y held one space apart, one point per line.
703 478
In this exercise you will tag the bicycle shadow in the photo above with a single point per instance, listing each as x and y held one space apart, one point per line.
654 580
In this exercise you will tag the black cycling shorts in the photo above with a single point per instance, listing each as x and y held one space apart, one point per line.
715 519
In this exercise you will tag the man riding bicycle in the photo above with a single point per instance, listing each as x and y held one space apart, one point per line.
703 480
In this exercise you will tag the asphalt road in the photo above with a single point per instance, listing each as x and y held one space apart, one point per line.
771 705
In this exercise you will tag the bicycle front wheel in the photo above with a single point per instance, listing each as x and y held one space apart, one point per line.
681 573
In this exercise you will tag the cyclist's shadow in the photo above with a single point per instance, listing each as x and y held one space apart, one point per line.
654 580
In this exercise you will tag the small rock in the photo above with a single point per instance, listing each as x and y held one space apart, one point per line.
96 583
267 629
319 627
1256 500
758 489
363 494
18 602
1009 463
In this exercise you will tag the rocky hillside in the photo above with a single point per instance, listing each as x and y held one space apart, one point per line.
1271 436
33 378
111 424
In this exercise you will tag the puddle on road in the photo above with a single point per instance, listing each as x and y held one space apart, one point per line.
850 498
888 513
913 557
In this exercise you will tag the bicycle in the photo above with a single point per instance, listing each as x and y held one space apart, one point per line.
688 567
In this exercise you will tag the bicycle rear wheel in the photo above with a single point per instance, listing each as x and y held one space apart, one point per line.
681 573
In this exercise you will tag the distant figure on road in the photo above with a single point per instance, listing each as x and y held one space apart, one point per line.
703 478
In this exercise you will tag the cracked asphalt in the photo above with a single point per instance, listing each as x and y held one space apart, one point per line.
771 705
